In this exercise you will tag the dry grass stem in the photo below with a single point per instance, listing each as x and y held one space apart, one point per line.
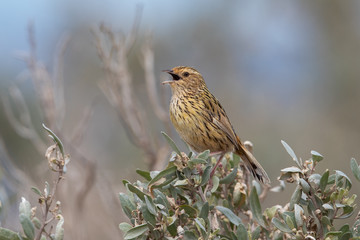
113 50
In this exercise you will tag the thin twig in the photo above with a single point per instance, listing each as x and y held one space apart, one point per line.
23 124
58 78
48 200
135 28
118 88
148 65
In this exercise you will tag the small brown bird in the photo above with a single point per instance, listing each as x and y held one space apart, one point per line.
202 122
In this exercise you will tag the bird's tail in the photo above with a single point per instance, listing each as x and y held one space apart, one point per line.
252 164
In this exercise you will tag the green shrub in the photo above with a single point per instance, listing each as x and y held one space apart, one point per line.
182 202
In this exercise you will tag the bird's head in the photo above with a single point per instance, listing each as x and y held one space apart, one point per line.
185 79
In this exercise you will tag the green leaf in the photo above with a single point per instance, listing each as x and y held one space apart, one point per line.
229 178
327 206
205 176
171 226
148 217
291 170
124 181
215 181
339 205
161 184
291 153
356 228
200 224
345 228
325 221
150 205
162 174
136 231
204 155
59 230
280 236
192 212
355 168
239 195
241 232
204 212
230 215
304 185
333 233
187 172
341 174
183 182
256 207
126 205
236 160
154 173
188 235
137 191
161 198
171 143
316 157
256 233
7 234
346 236
289 222
348 211
144 174
27 226
324 180
270 212
280 225
36 222
25 207
257 185
125 227
298 211
56 139
195 161
350 201
36 190
315 178
295 197
332 179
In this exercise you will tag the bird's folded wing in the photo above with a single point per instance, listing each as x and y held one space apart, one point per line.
224 124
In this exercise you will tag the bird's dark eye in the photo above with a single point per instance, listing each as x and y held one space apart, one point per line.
185 74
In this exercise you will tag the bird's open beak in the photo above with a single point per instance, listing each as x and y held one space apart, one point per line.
174 76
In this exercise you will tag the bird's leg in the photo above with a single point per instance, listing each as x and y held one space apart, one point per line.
211 154
217 164
215 153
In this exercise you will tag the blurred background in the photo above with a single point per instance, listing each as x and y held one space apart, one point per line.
282 70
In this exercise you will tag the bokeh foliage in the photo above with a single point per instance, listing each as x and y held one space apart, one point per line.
46 223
